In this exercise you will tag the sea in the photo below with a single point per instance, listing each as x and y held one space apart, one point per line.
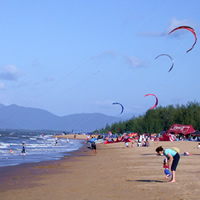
39 147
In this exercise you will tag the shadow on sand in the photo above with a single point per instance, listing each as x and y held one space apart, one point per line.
149 154
146 181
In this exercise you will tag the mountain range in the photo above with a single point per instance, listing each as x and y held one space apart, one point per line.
19 117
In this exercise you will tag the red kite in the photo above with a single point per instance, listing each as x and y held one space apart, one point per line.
190 29
156 100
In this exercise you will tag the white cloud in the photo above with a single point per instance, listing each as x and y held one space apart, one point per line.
109 53
134 62
10 72
173 23
154 34
105 104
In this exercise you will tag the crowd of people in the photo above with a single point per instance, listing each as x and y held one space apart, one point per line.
172 155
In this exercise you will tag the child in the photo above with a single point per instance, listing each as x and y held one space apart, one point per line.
56 141
166 166
126 144
133 144
23 149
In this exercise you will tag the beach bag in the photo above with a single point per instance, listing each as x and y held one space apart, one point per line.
176 149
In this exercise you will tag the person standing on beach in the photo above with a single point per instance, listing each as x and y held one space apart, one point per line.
93 145
88 137
56 141
126 144
172 156
94 148
23 149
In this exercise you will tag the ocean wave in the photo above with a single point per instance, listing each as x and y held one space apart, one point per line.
38 148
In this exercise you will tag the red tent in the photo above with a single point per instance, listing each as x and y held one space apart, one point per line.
176 129
180 129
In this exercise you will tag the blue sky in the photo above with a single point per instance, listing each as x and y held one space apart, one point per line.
80 56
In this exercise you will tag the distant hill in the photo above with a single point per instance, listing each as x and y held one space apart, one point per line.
18 117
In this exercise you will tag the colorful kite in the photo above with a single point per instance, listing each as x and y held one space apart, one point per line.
156 100
170 58
121 106
190 29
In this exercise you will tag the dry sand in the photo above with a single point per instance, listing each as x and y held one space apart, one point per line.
115 173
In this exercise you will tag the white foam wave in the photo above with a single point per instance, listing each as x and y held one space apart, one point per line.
33 138
4 145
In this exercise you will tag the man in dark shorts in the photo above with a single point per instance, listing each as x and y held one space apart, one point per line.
94 148
93 145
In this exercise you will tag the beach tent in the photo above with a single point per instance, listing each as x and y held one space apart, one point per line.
195 136
167 137
177 129
196 133
126 139
180 129
109 141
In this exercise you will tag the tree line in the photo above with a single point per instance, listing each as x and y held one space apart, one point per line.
159 119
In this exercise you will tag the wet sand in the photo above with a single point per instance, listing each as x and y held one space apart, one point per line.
114 173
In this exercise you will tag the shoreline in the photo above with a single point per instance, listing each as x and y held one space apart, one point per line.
81 139
115 173
20 171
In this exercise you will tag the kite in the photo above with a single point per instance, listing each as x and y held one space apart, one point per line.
121 106
156 100
170 58
190 29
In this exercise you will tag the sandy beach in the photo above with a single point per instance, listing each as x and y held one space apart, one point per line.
114 173
71 136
